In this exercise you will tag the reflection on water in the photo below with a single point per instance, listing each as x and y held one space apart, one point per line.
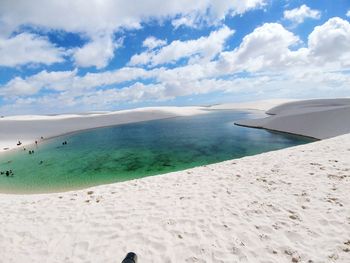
136 150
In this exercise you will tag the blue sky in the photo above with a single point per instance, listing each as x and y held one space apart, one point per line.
56 56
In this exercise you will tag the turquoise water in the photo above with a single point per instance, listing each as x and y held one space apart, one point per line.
136 150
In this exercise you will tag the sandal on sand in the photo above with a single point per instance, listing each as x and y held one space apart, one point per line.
131 257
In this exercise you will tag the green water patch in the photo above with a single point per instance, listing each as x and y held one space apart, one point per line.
130 151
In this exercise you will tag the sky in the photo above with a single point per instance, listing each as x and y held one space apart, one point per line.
76 56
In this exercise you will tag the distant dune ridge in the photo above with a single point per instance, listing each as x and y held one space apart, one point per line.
320 119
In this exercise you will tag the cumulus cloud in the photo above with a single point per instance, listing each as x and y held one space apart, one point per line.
202 48
71 81
298 15
272 48
28 48
188 21
57 81
348 13
96 53
215 11
265 48
330 42
152 42
82 18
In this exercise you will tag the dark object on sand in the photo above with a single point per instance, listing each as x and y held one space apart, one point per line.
19 143
131 257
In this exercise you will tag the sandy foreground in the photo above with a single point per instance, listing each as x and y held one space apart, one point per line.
30 128
290 205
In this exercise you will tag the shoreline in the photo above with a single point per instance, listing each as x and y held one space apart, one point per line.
278 131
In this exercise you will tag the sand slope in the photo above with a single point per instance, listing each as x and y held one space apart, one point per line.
290 205
319 119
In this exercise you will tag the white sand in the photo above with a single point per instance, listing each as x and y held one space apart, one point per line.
321 119
290 205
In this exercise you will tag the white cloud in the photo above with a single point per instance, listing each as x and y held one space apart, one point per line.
272 48
104 18
348 13
265 48
152 42
28 48
78 16
298 15
58 81
216 11
330 42
96 53
202 48
70 81
188 20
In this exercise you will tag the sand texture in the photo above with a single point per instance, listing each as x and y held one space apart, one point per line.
320 119
290 205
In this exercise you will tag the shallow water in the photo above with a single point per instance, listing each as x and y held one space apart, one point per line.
137 150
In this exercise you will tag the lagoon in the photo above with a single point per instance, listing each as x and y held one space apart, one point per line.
125 152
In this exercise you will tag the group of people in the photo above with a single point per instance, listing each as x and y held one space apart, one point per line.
7 173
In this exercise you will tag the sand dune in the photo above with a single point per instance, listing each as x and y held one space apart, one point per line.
319 119
290 205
